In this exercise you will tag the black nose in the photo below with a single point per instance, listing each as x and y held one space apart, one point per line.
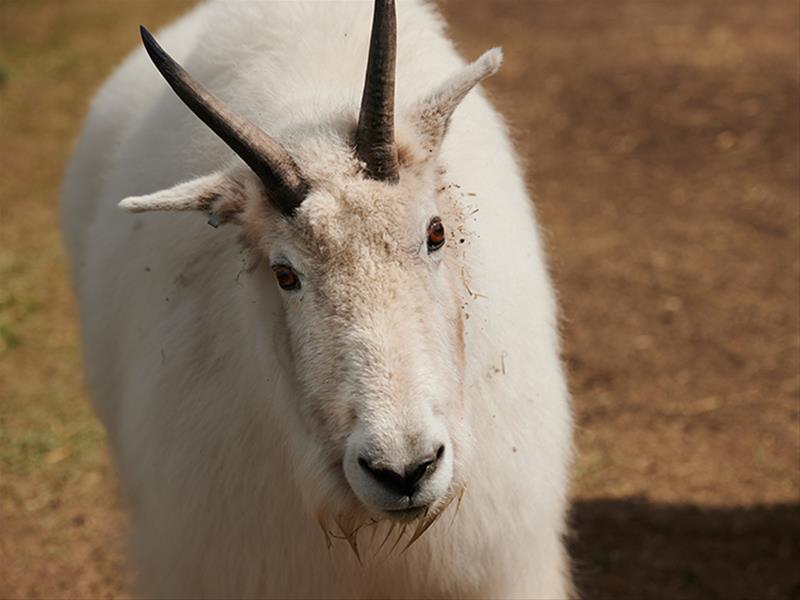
407 482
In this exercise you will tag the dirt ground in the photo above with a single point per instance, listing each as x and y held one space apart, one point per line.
662 142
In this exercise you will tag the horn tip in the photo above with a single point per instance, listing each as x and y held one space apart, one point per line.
153 48
157 54
150 43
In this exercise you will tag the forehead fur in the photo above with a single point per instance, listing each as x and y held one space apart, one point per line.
347 215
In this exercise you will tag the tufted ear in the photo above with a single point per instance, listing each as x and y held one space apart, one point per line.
431 115
222 195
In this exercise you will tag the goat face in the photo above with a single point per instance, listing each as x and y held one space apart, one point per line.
370 275
355 228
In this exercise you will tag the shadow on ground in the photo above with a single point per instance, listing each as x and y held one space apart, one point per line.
634 549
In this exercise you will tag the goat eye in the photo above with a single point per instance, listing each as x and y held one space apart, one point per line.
436 236
286 277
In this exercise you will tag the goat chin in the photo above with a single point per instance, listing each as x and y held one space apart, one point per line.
230 401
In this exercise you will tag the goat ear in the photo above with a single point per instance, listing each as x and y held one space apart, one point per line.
222 195
431 115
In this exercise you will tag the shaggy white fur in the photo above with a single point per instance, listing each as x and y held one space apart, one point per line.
236 410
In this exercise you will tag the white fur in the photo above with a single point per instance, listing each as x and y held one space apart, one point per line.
209 378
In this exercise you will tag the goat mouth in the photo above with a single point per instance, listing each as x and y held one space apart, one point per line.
405 515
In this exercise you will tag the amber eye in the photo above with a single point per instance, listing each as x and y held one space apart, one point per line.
286 277
436 235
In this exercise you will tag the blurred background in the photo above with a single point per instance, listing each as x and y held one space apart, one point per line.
662 143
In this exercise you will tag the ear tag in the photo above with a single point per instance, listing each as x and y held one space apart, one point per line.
214 219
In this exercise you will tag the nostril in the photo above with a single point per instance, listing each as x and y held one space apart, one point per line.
425 468
386 477
418 472
362 462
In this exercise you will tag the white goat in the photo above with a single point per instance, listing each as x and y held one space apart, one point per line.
369 341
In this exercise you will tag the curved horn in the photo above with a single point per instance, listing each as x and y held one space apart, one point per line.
375 134
284 185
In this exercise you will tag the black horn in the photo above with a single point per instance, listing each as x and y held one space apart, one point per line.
375 134
284 184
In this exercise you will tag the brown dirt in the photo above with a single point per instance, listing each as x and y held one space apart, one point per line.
663 143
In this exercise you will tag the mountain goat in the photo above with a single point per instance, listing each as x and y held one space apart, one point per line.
350 385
